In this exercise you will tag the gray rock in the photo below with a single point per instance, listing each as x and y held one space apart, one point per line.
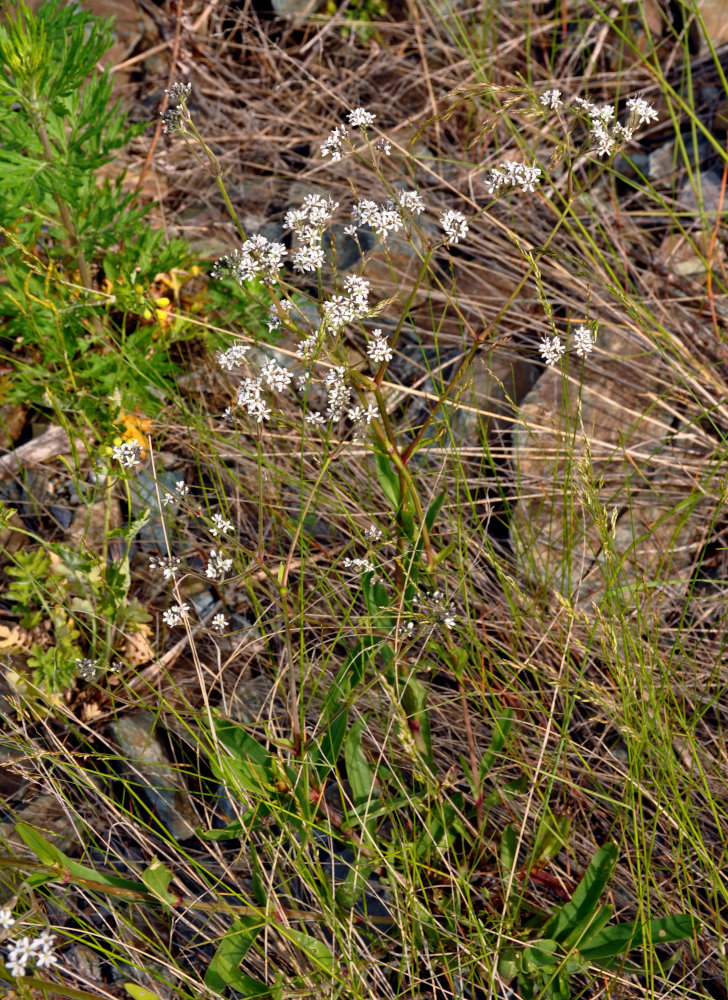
158 779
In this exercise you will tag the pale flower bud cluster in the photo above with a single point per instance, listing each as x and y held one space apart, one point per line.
435 609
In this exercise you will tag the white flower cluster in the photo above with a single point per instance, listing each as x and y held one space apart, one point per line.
217 565
250 398
220 525
353 305
384 219
373 534
334 146
168 565
86 669
258 257
454 226
182 491
360 565
361 118
233 357
552 349
361 416
175 615
338 392
309 222
378 348
26 951
511 173
607 133
436 610
274 318
128 454
388 217
551 99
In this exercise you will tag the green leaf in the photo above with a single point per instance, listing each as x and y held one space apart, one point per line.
613 942
501 728
49 854
157 879
251 764
508 854
540 954
359 774
434 509
318 951
388 479
131 529
224 968
137 992
414 701
336 721
575 915
553 835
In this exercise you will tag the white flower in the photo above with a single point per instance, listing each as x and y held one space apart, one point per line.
350 230
383 146
315 419
411 202
373 533
643 111
334 144
233 356
605 113
360 118
583 341
220 525
6 919
258 257
378 349
174 615
128 454
552 350
308 258
360 565
551 99
454 226
21 952
217 565
42 948
276 377
586 106
45 960
167 564
220 623
14 967
87 669
604 141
